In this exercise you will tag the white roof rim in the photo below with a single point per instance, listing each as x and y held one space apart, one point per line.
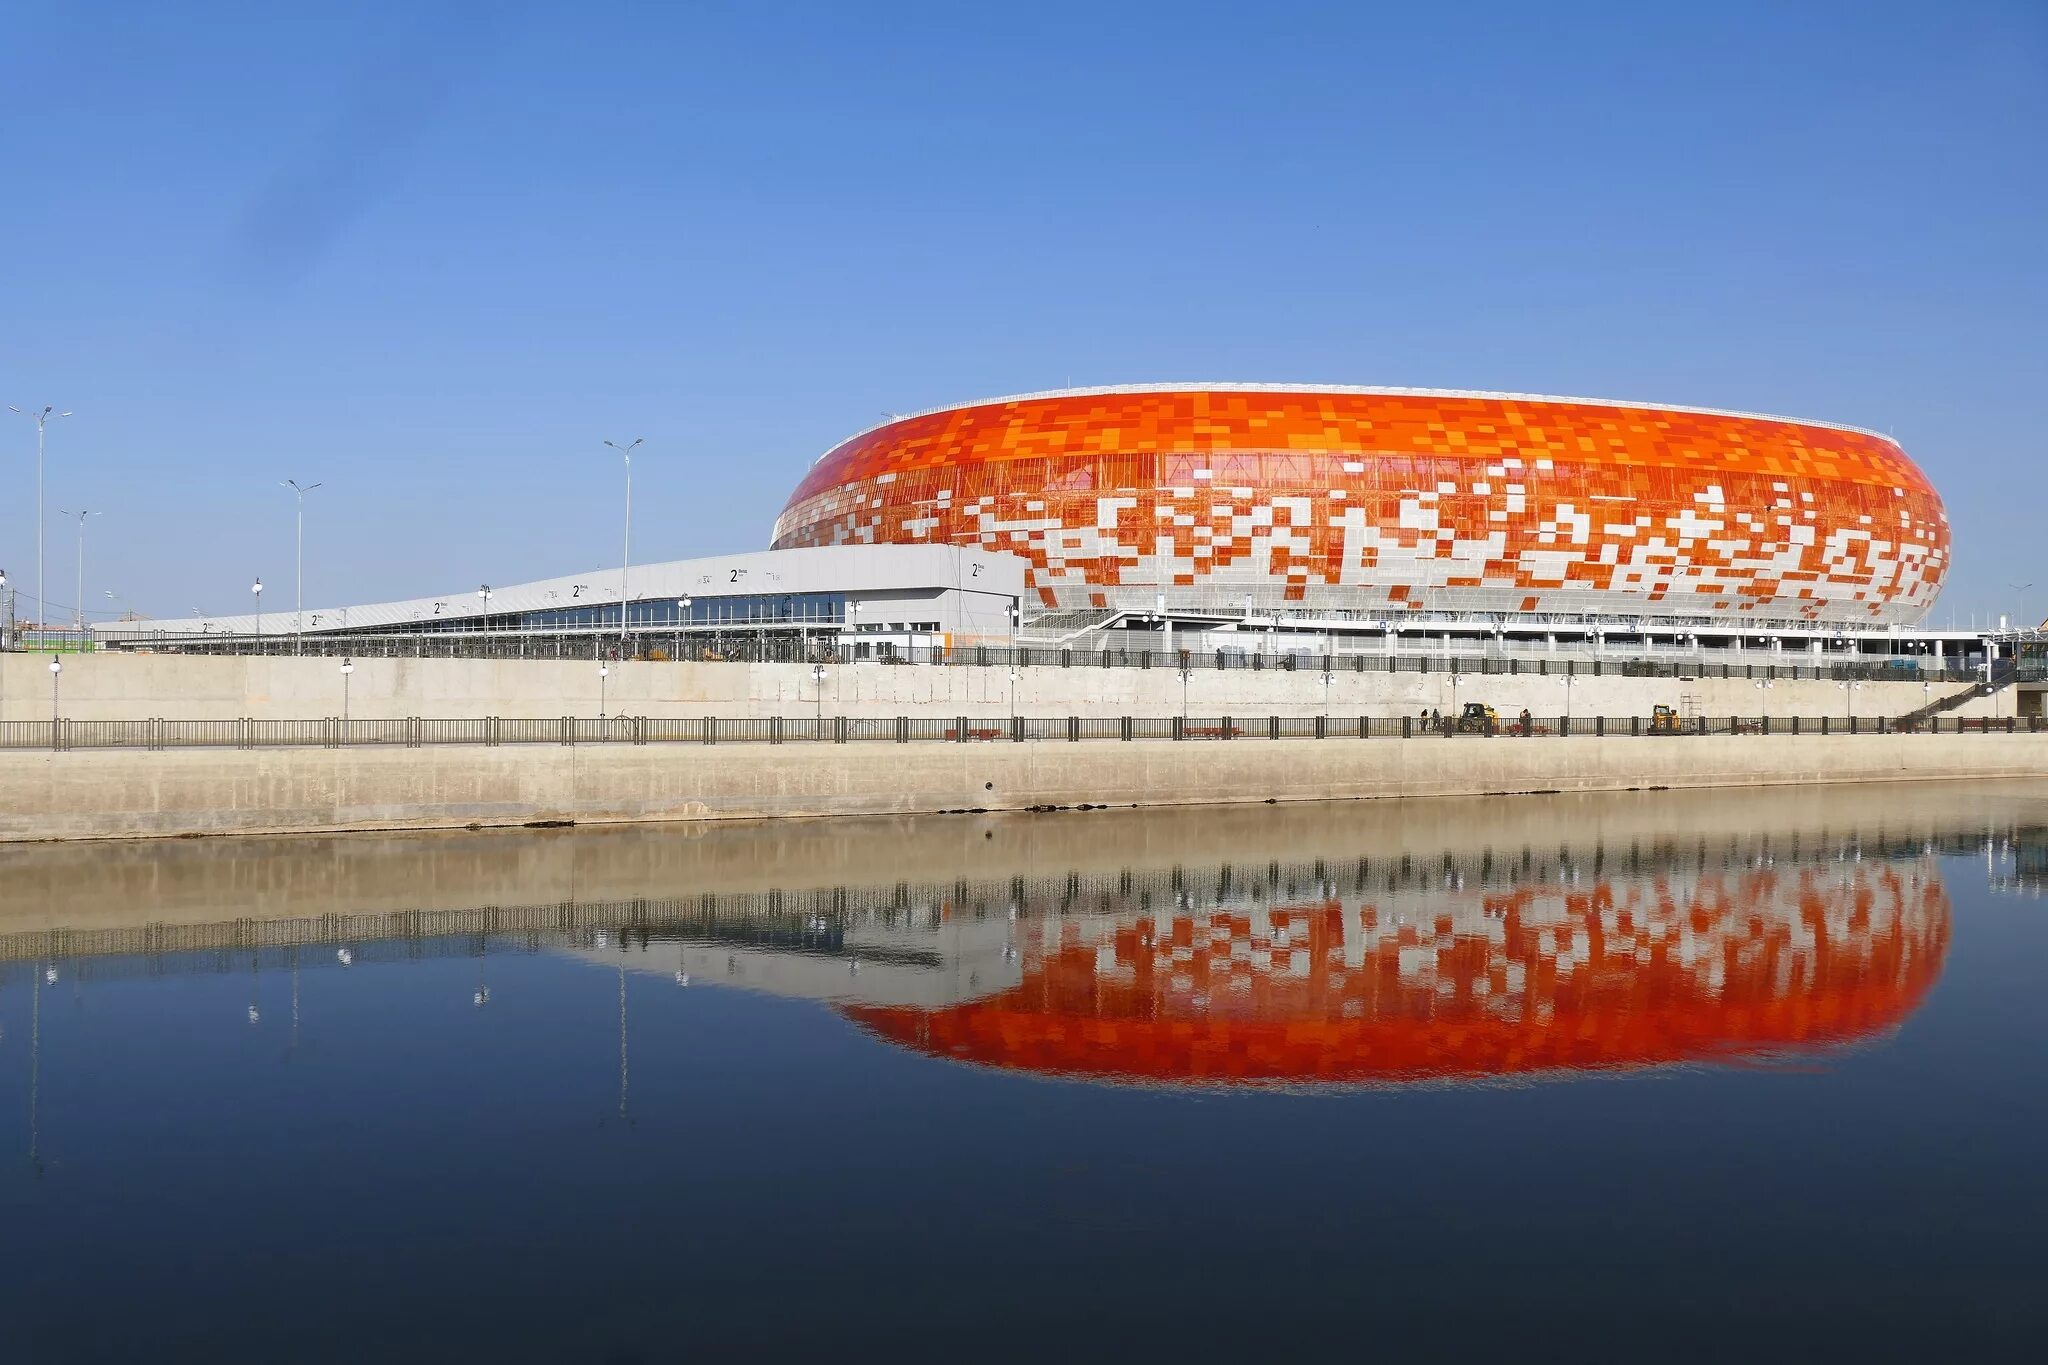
1371 390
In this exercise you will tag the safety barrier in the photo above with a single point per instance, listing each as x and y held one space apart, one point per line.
413 732
832 645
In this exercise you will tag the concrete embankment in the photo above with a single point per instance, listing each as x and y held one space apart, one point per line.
128 793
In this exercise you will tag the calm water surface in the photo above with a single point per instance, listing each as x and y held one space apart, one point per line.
1667 1075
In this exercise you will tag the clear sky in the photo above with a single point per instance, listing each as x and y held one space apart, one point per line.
432 254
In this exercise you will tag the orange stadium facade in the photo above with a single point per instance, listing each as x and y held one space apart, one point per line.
1365 502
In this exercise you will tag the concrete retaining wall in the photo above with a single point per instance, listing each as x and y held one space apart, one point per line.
194 687
125 793
85 887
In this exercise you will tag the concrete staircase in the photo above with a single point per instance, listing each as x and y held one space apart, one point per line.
2003 675
1058 627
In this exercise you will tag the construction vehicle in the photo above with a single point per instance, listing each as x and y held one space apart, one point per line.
1478 719
1665 720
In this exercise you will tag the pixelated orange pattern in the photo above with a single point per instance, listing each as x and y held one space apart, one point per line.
1366 501
1627 973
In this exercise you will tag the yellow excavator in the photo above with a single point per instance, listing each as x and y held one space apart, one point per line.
1478 719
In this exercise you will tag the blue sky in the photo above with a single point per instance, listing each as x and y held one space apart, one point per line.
434 254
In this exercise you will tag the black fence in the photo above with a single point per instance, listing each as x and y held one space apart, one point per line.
415 732
851 649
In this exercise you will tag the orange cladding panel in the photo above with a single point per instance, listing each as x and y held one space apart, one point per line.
1399 502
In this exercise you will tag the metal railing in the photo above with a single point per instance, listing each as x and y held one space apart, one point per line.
415 732
1257 655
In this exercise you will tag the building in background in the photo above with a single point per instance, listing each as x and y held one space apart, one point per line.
786 604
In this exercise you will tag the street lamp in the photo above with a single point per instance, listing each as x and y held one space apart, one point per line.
299 609
56 672
603 671
484 596
79 610
6 615
626 560
348 666
41 419
818 677
258 590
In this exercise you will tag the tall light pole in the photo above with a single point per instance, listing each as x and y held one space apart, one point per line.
299 589
6 615
604 671
42 419
258 590
348 666
56 673
79 611
818 677
626 560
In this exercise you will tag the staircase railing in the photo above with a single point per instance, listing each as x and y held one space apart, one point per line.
2003 674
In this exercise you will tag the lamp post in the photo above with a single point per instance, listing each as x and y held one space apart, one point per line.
1568 682
6 615
626 560
258 590
42 420
818 677
56 672
348 666
78 611
604 671
299 589
483 595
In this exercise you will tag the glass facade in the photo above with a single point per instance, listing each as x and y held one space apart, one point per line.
668 613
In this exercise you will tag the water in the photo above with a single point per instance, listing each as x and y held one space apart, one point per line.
1676 1074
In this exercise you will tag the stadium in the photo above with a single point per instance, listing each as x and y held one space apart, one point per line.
1214 500
1218 523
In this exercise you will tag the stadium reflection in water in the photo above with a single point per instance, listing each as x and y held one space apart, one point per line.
1539 968
1470 960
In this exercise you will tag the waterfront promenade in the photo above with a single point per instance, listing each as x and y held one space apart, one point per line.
150 746
283 687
